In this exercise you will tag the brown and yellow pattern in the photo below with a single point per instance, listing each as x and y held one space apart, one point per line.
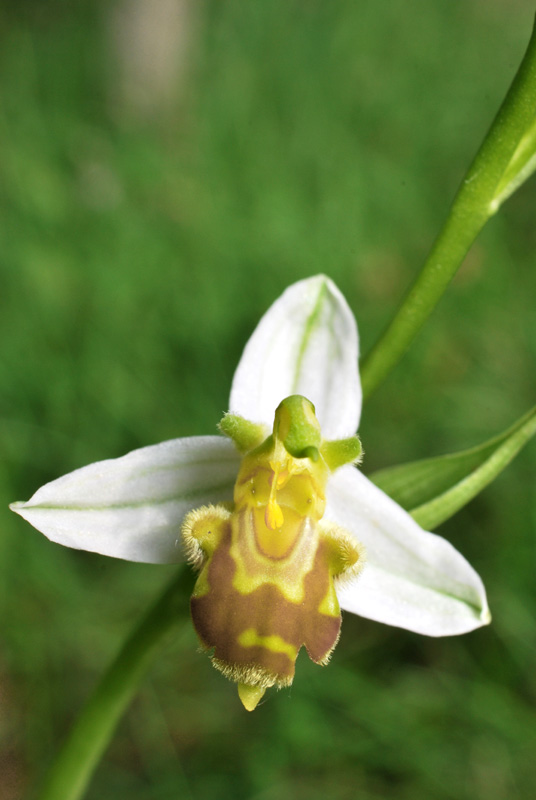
267 570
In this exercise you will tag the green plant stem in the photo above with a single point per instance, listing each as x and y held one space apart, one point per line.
476 201
71 772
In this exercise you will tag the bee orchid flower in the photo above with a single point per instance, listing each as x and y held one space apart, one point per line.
282 527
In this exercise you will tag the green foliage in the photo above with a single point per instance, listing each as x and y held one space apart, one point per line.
434 489
308 137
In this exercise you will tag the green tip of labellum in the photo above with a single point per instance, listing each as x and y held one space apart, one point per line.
296 426
250 695
341 451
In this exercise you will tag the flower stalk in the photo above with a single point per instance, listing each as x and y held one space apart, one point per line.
506 158
89 738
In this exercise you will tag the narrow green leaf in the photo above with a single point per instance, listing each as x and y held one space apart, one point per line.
433 489
519 169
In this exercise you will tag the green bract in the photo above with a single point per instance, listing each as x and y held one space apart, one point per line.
433 489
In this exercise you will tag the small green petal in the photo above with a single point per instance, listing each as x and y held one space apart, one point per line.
245 434
341 451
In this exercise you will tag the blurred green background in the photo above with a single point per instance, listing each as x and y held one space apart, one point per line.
167 168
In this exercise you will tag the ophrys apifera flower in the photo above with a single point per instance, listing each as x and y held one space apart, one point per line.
274 514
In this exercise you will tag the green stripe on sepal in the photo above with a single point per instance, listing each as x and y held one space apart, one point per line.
434 489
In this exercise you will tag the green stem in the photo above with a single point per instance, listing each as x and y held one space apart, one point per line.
478 198
70 774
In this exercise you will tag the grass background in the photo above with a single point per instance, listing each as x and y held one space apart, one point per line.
141 240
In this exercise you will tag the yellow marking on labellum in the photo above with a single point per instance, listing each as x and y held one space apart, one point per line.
250 638
267 568
258 561
329 605
276 544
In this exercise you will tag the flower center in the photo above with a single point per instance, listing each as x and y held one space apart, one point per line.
267 567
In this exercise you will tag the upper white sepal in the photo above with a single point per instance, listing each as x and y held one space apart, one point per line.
306 343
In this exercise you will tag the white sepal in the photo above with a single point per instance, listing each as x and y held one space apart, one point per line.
412 579
132 507
307 344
